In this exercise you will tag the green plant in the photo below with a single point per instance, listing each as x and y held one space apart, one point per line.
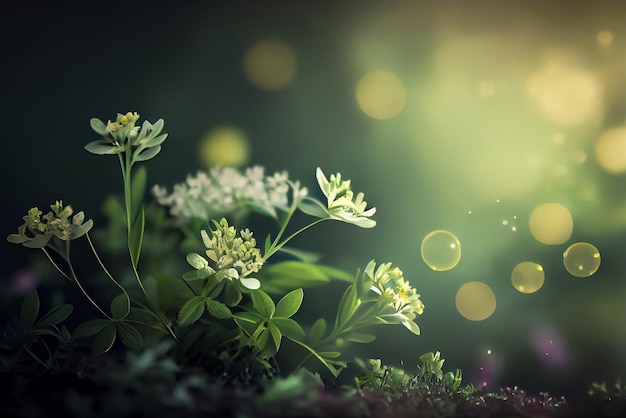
221 315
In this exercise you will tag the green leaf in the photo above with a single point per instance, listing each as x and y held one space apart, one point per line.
362 338
98 126
317 331
333 370
173 292
152 291
104 339
157 140
135 237
304 256
55 315
138 191
29 310
313 207
103 147
289 328
232 295
347 306
130 336
89 328
147 153
263 304
329 354
197 261
291 274
260 338
191 311
275 333
248 322
217 309
38 241
268 244
120 306
289 304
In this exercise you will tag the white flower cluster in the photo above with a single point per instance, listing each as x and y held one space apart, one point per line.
225 189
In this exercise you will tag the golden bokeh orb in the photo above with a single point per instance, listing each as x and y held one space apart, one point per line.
270 64
475 301
610 150
551 223
224 146
380 94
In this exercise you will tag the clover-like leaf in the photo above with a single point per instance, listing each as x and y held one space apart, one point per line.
55 315
317 331
289 304
289 328
29 310
263 303
120 306
104 339
191 311
130 336
217 309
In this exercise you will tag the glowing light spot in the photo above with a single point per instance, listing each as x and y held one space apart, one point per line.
270 64
505 222
604 38
224 146
551 223
380 95
488 351
579 156
441 250
527 277
486 88
513 228
475 301
610 150
558 138
581 259
565 96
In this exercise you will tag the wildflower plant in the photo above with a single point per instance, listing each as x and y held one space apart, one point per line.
235 307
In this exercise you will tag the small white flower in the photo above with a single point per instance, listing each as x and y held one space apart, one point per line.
341 203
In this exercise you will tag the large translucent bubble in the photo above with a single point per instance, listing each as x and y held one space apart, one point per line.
527 277
581 259
441 250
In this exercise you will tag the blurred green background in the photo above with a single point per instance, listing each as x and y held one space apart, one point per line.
461 116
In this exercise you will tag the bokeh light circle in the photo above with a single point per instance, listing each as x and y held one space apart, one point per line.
527 277
551 223
380 95
270 64
565 96
581 259
610 150
224 146
441 250
475 301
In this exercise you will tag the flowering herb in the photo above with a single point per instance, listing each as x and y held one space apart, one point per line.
226 303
